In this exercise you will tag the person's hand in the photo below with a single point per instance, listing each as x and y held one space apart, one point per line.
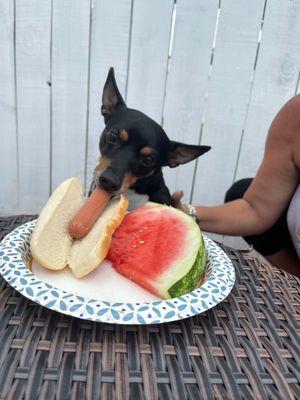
176 200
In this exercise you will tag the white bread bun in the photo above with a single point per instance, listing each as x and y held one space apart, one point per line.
52 246
50 242
87 253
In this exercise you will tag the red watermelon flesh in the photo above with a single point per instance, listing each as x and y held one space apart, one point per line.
155 246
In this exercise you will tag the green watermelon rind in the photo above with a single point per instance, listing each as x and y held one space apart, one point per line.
192 278
182 265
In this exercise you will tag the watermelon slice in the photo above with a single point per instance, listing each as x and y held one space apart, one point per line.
160 248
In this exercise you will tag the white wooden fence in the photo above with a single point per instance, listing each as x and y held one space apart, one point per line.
213 72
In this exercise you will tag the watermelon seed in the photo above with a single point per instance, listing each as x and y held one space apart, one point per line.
141 241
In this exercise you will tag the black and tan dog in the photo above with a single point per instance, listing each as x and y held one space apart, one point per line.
134 148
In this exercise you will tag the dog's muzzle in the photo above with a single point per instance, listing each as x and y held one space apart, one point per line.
109 181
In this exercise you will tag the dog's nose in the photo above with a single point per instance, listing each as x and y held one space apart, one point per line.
109 183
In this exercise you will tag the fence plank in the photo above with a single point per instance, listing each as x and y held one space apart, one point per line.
134 37
70 59
109 47
187 81
8 147
228 94
276 79
149 48
33 19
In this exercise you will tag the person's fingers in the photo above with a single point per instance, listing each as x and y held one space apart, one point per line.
176 198
185 208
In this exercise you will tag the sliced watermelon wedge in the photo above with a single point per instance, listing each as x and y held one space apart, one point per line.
160 248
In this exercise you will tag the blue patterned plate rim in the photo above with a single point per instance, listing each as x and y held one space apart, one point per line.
14 259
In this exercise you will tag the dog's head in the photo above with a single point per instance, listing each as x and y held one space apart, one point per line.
132 145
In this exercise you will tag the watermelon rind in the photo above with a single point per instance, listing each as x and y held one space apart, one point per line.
182 266
192 278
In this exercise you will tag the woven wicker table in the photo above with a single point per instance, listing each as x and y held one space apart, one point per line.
247 347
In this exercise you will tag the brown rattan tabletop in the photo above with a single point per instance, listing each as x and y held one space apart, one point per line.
247 347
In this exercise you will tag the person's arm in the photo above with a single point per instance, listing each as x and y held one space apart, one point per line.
236 218
272 188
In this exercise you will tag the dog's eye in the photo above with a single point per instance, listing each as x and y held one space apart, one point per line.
148 160
112 137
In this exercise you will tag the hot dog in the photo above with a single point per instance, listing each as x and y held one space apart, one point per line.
85 218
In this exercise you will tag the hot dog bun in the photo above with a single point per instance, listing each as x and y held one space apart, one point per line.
51 244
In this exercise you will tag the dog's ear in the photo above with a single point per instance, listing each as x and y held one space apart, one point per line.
111 97
183 153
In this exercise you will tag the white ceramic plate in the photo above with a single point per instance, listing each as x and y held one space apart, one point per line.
104 295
